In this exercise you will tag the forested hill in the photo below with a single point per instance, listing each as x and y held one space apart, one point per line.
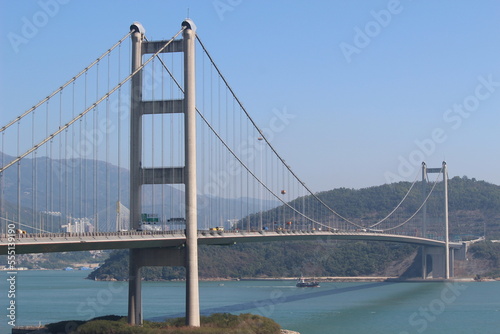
474 207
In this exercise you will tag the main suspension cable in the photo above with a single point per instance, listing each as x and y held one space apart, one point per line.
267 141
421 206
234 154
397 206
27 112
62 128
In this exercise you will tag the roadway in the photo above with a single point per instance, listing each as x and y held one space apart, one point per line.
66 242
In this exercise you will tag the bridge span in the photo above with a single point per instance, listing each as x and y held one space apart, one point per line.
237 162
66 242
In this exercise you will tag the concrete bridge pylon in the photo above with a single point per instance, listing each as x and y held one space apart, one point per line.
186 175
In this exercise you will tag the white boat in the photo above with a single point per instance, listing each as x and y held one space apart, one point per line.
302 283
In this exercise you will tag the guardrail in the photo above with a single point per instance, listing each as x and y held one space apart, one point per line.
20 236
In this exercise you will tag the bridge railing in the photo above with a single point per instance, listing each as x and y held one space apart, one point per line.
68 235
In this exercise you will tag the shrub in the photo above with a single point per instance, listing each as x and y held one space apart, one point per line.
214 324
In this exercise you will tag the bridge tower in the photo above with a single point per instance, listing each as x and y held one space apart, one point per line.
439 257
186 175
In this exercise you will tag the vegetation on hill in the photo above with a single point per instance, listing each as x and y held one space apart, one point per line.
488 252
215 323
278 259
474 208
57 260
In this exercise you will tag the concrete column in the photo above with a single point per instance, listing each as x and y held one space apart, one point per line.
136 127
424 219
446 229
134 289
134 294
438 261
192 289
452 263
424 262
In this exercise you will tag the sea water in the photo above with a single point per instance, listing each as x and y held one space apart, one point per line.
429 307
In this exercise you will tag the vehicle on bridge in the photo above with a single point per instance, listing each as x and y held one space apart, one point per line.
180 220
217 228
149 222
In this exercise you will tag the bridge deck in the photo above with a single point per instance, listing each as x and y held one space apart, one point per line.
65 242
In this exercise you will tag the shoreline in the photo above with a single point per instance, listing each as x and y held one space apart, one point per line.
324 279
353 279
372 279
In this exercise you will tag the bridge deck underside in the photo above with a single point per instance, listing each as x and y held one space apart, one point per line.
100 241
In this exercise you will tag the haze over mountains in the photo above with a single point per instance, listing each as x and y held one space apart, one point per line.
77 186
474 205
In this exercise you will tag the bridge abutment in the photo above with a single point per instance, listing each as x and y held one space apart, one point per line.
435 260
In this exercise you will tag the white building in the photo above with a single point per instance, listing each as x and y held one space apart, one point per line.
78 225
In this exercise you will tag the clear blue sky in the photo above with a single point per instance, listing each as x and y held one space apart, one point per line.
366 80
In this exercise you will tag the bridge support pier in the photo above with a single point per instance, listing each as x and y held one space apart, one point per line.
440 265
424 262
186 175
192 286
134 288
148 257
436 255
134 296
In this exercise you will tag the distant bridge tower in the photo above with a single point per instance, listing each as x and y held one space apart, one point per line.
438 257
165 175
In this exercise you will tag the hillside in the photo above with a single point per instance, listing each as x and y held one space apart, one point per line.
277 259
474 208
293 259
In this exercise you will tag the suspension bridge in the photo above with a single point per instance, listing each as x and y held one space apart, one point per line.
160 155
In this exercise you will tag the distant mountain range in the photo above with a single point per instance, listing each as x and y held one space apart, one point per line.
474 206
80 187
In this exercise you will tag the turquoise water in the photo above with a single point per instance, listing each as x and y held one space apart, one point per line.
49 296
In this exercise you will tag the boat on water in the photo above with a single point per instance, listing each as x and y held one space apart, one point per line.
302 283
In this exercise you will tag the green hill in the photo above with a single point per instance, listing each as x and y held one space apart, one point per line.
474 208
